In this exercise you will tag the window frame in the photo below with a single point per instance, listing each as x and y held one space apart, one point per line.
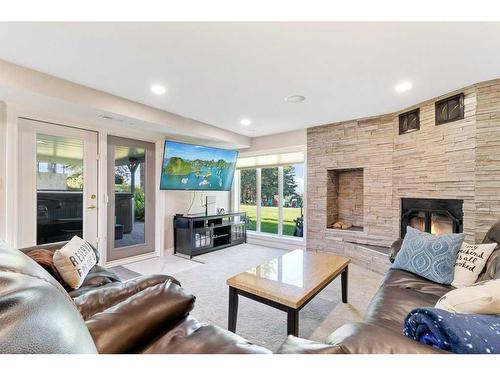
257 230
401 118
446 101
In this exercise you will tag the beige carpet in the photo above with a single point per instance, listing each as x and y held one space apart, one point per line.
261 324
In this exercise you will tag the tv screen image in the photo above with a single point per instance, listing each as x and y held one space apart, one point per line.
192 167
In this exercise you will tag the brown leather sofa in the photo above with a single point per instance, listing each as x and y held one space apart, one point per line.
148 314
400 292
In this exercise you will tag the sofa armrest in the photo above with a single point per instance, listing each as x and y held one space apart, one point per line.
395 247
492 268
296 345
95 300
365 338
135 322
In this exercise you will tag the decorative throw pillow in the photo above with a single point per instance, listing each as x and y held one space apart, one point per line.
480 298
470 262
429 256
45 258
74 261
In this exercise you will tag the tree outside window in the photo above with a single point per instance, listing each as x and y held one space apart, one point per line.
292 201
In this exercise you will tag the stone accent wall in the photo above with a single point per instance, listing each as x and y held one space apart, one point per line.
437 161
457 160
487 168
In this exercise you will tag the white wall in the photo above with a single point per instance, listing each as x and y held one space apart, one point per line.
19 83
178 202
286 140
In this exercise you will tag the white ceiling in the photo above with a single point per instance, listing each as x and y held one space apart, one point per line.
218 73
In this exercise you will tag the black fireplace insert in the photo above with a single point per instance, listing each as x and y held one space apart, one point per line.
436 216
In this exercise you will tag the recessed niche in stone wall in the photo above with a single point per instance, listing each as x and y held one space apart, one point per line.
344 199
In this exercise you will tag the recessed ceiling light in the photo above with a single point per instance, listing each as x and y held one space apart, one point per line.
295 98
403 86
245 122
158 89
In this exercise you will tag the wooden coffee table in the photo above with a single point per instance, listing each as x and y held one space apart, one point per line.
287 283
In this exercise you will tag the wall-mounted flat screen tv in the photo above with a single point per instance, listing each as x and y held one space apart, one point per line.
192 167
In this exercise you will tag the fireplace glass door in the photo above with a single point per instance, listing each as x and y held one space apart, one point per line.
417 221
435 216
441 224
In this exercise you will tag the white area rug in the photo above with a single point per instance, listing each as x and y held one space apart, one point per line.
261 324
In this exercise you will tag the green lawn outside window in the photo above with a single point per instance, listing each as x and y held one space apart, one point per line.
269 218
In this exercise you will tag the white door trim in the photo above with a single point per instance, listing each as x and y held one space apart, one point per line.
26 156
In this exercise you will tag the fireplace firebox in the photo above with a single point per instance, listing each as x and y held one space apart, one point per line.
436 216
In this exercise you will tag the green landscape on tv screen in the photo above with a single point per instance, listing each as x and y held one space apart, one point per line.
191 167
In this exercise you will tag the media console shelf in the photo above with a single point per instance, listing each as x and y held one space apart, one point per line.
199 234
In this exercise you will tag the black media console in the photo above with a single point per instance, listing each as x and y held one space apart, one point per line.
199 234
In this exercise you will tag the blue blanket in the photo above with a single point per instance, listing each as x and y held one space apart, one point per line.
458 333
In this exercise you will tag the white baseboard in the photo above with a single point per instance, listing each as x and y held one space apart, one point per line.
137 258
168 251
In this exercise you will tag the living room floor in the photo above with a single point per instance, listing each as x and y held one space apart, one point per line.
205 277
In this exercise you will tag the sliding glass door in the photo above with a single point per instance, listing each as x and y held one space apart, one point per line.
131 196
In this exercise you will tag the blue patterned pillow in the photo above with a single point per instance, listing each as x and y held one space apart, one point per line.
429 256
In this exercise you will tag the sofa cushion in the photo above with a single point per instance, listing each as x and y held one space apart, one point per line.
492 269
408 280
45 258
365 338
481 298
96 300
133 323
296 345
191 336
36 313
400 293
429 256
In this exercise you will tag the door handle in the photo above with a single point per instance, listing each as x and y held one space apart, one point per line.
91 207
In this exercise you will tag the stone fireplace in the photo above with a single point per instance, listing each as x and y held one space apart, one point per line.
435 216
440 178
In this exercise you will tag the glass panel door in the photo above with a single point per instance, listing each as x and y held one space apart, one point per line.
59 206
130 163
131 196
57 184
